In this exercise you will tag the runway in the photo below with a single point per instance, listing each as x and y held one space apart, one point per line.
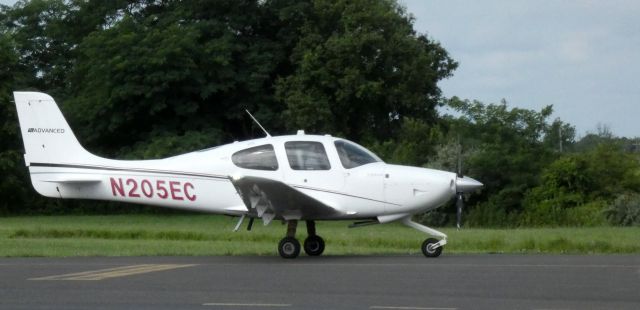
330 282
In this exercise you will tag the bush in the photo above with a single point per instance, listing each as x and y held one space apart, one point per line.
544 213
625 210
590 214
433 218
491 213
576 189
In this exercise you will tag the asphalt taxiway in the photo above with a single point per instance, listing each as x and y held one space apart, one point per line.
328 282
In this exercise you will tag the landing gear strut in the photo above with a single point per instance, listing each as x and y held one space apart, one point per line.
313 245
430 247
289 246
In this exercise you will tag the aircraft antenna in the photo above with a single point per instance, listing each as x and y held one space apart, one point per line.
255 120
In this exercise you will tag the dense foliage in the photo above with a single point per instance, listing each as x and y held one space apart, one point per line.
535 173
152 78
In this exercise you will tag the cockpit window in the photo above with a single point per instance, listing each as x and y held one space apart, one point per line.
307 155
261 157
352 155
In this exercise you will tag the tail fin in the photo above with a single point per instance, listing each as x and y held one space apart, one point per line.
46 134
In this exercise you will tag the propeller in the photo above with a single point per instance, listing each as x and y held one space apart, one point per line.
459 159
463 185
459 193
459 206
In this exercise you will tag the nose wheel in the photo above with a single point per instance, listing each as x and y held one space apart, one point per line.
430 248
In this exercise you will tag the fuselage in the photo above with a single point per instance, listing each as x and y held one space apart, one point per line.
337 172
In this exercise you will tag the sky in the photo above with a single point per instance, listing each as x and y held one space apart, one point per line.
582 57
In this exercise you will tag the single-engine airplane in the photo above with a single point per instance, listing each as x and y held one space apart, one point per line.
290 178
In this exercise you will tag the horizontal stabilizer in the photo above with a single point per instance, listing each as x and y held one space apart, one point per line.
239 209
73 179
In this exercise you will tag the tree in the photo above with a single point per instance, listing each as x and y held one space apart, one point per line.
361 70
14 184
560 136
413 144
505 149
146 78
42 40
582 183
174 70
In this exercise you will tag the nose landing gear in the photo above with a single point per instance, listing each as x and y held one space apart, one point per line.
430 247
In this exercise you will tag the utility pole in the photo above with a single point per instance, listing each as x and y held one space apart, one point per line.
560 136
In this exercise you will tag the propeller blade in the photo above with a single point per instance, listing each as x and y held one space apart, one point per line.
459 170
459 206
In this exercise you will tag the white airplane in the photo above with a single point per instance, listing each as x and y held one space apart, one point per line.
290 178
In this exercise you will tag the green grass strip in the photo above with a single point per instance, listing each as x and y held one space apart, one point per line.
191 235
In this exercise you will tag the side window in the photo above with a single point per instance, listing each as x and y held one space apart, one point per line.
306 155
352 155
261 157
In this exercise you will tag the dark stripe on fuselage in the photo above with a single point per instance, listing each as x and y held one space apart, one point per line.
92 167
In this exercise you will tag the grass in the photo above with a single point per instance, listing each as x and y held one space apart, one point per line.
128 235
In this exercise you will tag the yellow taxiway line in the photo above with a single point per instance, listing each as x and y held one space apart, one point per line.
108 273
224 304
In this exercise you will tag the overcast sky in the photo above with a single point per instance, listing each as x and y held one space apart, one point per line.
583 57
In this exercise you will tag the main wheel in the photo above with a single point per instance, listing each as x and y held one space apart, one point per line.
314 245
289 247
428 250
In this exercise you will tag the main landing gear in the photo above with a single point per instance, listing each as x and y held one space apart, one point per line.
430 247
289 246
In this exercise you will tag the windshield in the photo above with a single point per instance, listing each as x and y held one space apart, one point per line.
353 155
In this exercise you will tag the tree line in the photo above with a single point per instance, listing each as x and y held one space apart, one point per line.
154 78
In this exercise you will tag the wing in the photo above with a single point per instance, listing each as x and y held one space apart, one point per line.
271 199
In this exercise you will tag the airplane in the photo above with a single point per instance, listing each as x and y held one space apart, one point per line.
290 178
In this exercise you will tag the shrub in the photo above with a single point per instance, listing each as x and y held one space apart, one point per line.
625 210
590 214
433 218
491 213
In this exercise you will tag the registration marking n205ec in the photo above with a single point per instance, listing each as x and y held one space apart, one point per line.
133 188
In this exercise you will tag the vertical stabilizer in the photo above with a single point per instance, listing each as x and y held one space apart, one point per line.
46 134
